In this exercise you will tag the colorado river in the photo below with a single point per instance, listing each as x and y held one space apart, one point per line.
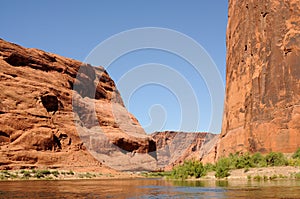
149 188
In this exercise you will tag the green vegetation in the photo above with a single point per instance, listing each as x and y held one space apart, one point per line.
44 174
257 177
244 161
37 174
258 160
276 159
157 174
241 161
210 167
282 176
26 174
294 162
273 177
188 169
40 174
55 173
4 175
296 155
86 175
223 168
297 175
70 173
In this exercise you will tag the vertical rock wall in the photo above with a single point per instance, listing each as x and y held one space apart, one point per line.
262 104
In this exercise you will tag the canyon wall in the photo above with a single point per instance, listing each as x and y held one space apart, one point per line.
262 104
174 148
60 113
45 123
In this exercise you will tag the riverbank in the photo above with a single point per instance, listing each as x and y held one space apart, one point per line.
51 174
261 173
257 174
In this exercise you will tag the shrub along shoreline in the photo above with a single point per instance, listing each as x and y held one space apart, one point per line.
272 166
226 165
45 174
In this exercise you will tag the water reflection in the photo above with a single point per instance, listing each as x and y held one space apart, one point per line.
149 188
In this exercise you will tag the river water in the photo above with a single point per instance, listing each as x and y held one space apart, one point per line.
149 188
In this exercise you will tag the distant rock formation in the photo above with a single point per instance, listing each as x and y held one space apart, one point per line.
262 105
37 119
174 148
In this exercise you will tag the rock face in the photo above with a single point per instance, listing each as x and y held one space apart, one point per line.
44 122
262 105
175 147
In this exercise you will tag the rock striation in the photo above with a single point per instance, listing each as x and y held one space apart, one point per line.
262 104
175 147
44 122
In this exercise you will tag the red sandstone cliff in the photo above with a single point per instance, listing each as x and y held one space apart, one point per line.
175 147
37 120
38 126
262 105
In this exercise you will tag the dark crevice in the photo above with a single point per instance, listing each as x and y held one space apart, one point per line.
70 82
62 136
127 145
50 102
16 59
57 142
264 14
12 75
49 58
4 134
287 50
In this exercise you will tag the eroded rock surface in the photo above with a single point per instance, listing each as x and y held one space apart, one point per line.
175 147
39 127
262 105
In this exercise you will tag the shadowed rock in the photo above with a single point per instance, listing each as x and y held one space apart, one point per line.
175 147
34 83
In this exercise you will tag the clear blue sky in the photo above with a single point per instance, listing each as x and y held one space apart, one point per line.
73 28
